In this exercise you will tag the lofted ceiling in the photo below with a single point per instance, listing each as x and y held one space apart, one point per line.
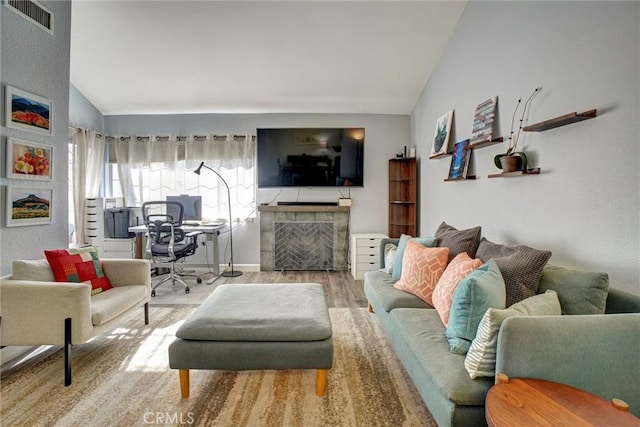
173 57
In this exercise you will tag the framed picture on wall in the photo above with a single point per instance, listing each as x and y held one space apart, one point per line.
28 206
441 137
26 111
483 120
460 160
29 160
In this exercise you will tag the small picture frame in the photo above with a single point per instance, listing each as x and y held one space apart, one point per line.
29 160
440 145
26 111
460 160
28 206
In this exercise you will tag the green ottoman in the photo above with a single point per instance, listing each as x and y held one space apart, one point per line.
255 327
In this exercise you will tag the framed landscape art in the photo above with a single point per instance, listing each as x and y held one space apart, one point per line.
27 111
29 160
28 206
441 136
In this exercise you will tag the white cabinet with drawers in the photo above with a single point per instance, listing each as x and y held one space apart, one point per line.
119 248
365 253
94 223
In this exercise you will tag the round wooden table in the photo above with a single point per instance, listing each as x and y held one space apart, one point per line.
533 402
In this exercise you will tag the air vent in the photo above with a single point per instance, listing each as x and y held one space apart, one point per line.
33 11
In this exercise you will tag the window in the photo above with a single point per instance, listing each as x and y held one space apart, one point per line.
161 168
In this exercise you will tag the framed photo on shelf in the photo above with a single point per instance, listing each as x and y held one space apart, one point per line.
28 206
26 111
29 160
460 160
441 137
483 121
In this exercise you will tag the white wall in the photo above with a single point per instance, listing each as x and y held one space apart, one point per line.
82 113
584 207
384 137
38 62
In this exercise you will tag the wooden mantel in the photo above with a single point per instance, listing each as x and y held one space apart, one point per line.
302 208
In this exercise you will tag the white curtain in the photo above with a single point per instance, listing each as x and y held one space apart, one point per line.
147 167
233 157
150 168
88 163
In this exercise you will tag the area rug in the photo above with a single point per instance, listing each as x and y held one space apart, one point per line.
123 379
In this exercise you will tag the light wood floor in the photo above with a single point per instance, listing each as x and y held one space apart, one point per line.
341 289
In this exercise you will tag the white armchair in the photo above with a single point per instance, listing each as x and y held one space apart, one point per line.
37 310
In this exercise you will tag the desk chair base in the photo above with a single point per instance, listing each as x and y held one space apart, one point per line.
174 277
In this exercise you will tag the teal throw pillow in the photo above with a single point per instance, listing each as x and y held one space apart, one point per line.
482 289
402 244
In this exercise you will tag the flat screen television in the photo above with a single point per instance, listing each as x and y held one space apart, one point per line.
192 207
310 157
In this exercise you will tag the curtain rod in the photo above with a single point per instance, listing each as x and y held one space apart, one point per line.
164 138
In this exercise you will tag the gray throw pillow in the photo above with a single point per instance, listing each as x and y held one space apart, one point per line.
521 267
458 241
579 292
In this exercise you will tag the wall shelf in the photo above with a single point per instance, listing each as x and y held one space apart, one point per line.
468 178
533 171
441 155
560 121
478 144
486 143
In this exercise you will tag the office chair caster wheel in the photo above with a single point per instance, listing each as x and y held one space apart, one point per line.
198 280
153 293
186 290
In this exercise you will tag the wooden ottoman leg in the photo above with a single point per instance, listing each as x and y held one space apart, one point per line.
184 383
369 308
321 381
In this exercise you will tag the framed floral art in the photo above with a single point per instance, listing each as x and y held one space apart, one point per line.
29 160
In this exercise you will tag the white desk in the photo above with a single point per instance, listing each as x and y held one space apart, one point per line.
210 230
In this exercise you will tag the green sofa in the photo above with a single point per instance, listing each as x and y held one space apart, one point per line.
598 353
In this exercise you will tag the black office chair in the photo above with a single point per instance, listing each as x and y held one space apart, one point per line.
166 240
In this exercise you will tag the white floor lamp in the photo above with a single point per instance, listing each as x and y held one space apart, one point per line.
232 273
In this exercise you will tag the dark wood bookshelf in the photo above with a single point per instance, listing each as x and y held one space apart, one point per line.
403 197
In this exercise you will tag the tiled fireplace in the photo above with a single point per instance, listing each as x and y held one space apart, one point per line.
302 237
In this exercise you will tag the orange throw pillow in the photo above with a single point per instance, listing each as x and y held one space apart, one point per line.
458 269
422 266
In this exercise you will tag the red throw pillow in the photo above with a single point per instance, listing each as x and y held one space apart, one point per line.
78 265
